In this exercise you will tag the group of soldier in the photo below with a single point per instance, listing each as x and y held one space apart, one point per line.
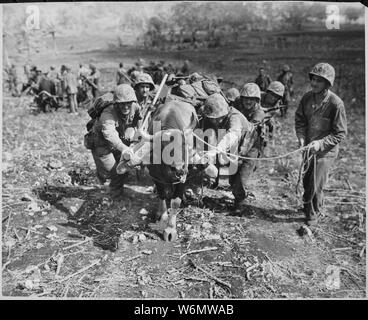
320 125
320 120
56 88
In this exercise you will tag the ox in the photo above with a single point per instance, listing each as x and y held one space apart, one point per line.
176 121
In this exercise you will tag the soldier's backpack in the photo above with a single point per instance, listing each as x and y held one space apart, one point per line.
97 106
200 89
94 111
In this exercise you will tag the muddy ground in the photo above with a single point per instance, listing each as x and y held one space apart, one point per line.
63 236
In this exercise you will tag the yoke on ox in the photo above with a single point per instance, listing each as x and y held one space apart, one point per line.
170 142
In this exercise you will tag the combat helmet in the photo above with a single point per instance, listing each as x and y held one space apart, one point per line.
251 90
277 88
231 94
285 68
215 106
325 71
124 93
194 77
144 78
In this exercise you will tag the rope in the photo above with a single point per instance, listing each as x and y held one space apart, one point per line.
248 158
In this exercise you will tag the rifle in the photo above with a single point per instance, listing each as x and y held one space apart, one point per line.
281 106
138 147
148 110
126 76
89 82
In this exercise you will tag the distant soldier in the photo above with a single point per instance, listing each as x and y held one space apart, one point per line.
13 80
44 83
143 87
71 86
108 134
320 123
121 75
270 100
94 79
53 74
286 78
84 92
185 71
263 80
137 69
27 70
45 88
232 94
83 71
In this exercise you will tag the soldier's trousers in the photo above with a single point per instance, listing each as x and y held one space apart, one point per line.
106 162
240 180
73 102
314 181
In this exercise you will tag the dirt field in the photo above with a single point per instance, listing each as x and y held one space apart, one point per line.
64 237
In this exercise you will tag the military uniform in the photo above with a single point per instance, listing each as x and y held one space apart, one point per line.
237 127
325 124
109 140
71 86
121 76
94 77
286 78
13 80
256 116
263 81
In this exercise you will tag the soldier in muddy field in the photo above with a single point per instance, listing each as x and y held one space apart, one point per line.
122 75
271 98
320 124
144 87
13 80
231 95
249 105
137 69
94 80
111 133
44 85
71 87
218 115
286 78
263 80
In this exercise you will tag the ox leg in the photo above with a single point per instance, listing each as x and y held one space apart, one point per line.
170 233
161 213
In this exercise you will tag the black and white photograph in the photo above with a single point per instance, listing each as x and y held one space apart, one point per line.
183 150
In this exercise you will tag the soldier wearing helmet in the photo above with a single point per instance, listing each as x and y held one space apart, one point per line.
112 133
144 87
320 124
249 105
273 95
286 78
71 87
94 80
231 95
230 128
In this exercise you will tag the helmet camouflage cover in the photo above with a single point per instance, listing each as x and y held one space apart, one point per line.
144 78
277 88
124 93
250 90
232 93
325 71
215 106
